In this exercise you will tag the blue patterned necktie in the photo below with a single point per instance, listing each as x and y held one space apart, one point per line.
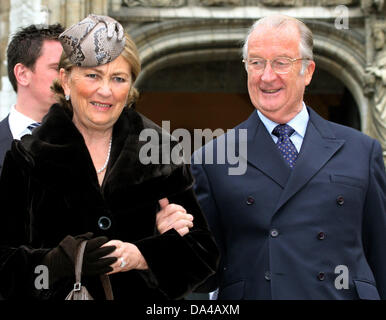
33 126
284 143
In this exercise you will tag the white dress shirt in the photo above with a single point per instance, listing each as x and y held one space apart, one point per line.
298 123
18 123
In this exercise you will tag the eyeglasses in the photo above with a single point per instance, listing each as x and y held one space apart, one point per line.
280 65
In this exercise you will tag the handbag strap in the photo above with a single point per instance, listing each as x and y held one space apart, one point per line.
107 286
78 265
78 273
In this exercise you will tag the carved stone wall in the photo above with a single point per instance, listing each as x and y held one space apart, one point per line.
375 86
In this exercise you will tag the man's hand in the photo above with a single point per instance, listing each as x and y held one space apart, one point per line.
173 216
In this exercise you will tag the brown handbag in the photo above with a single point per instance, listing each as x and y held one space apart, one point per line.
80 292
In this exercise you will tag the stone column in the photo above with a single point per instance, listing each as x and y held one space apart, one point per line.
377 77
99 7
375 80
75 11
4 31
56 11
115 5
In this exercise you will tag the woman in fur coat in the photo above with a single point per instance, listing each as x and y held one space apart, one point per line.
80 176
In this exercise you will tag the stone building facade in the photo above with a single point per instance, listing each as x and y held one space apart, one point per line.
191 59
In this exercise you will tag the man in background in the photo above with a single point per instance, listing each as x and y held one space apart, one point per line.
33 56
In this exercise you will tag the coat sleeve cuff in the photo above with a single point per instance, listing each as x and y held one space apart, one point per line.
174 266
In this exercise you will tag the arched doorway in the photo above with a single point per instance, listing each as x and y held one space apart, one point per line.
193 75
214 95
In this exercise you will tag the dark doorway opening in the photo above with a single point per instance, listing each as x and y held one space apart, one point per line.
214 94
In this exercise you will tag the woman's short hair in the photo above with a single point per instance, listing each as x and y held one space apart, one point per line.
129 53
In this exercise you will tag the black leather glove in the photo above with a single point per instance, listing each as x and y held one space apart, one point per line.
61 260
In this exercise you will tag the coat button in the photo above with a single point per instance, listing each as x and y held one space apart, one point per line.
321 276
250 200
274 233
267 275
340 200
104 223
321 235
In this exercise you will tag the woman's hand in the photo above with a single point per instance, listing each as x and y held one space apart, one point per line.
173 216
128 255
97 258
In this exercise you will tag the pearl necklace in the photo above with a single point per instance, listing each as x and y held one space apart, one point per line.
107 159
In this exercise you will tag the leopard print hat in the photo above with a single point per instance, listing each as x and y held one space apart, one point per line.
94 41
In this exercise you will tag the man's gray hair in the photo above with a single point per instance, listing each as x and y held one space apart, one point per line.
277 21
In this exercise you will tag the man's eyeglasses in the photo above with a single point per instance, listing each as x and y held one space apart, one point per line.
280 65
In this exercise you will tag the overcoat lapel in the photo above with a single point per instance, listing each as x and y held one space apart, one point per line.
263 153
5 131
318 147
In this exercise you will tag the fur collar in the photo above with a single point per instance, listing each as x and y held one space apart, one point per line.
57 155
